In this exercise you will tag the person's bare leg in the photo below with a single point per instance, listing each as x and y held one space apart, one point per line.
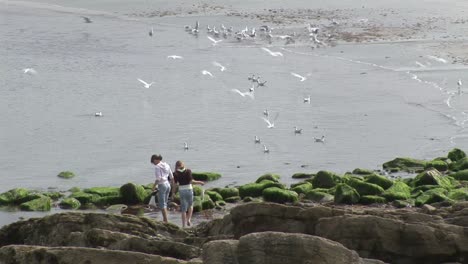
164 214
189 216
184 217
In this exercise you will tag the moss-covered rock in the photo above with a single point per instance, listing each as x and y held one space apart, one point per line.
303 188
432 177
13 196
456 154
85 198
325 179
423 188
197 204
66 174
372 199
31 196
110 200
54 195
205 176
74 189
233 199
228 192
39 204
346 194
197 190
256 189
318 196
439 165
459 165
460 175
220 203
268 176
207 203
278 195
458 194
398 191
69 203
103 191
432 196
404 164
360 171
379 180
365 188
214 196
132 193
301 175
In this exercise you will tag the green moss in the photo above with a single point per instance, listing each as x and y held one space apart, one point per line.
459 165
456 154
379 180
110 200
278 195
459 194
372 199
405 164
424 188
325 179
365 188
403 203
268 176
398 191
303 188
256 189
432 196
40 204
207 203
318 196
197 204
69 203
221 203
54 195
214 196
432 177
85 198
74 189
31 196
460 175
197 190
346 194
132 193
301 175
228 192
360 171
103 191
233 199
205 176
66 175
13 196
439 165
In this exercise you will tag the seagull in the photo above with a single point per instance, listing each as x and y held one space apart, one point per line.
98 114
244 94
265 149
205 72
87 20
222 68
437 59
272 53
185 146
30 71
302 78
297 130
214 40
266 113
459 86
307 99
174 57
147 85
151 32
259 83
252 89
321 140
270 124
256 140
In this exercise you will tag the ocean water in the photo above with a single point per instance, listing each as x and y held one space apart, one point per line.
371 101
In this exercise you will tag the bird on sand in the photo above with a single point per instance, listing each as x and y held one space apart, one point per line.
321 140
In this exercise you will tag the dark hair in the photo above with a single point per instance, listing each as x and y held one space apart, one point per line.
156 157
179 164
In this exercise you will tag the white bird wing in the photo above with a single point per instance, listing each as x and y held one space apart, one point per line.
267 121
214 40
267 50
205 72
143 82
298 76
237 91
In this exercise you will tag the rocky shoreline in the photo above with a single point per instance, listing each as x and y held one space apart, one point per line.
360 217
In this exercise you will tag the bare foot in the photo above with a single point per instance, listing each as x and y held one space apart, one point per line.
189 223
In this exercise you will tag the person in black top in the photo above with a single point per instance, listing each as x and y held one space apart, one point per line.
183 178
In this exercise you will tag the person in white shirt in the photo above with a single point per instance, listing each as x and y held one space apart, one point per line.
163 175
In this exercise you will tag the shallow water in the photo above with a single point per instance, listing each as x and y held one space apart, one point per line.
371 101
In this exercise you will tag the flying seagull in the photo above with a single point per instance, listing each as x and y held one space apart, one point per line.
174 57
321 140
302 78
244 94
270 124
273 53
205 72
217 64
30 71
214 40
147 85
87 20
